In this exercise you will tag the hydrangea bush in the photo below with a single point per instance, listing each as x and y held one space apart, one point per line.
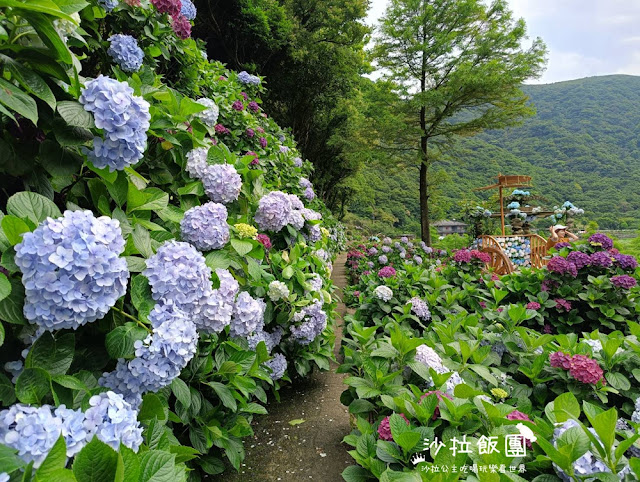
447 352
150 303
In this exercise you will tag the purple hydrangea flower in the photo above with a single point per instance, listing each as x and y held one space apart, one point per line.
263 142
125 52
237 105
253 106
228 285
178 274
601 259
297 161
312 321
417 259
625 261
197 162
382 259
271 340
215 311
248 315
579 259
222 183
387 272
278 366
274 211
386 249
420 308
206 226
601 241
624 281
72 270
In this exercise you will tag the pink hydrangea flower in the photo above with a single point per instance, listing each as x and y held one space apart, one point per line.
387 272
585 369
237 105
533 305
517 415
172 7
462 256
562 303
384 429
264 240
181 26
560 360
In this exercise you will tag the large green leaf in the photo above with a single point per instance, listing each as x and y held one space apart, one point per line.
49 35
32 385
32 206
96 462
11 306
157 466
74 114
16 100
54 355
119 342
5 287
56 459
43 6
31 81
13 228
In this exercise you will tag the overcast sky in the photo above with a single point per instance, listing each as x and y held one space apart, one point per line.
583 37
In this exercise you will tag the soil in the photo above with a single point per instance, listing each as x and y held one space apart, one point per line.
313 449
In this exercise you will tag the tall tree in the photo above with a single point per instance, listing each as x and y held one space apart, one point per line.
457 66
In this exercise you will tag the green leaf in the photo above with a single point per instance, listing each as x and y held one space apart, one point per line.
224 394
9 461
11 306
157 466
74 114
355 473
5 287
16 100
288 272
119 342
618 381
241 247
131 463
48 34
135 264
566 405
52 354
96 462
183 453
71 382
297 421
32 206
361 406
8 261
13 228
605 426
152 407
32 385
407 440
7 392
140 291
148 199
181 391
56 459
43 6
142 241
29 80
218 259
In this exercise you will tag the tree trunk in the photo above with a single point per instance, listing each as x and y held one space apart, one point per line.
424 202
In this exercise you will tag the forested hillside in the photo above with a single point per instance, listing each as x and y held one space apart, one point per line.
582 145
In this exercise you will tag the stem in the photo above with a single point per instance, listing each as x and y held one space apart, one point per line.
133 318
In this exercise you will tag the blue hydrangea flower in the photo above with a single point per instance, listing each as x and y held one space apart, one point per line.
159 358
228 285
635 417
222 183
296 217
386 241
417 259
15 368
32 431
315 282
188 10
297 162
114 421
73 429
4 477
587 464
246 78
178 274
72 271
420 308
122 116
274 211
304 183
278 366
248 315
108 5
196 162
209 116
382 259
322 254
312 321
125 52
215 312
271 340
386 249
309 194
206 226
277 291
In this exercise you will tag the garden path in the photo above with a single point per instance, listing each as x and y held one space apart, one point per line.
311 450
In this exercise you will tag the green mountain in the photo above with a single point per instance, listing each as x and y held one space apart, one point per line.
583 146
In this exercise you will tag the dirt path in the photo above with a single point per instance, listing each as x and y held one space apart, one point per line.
311 450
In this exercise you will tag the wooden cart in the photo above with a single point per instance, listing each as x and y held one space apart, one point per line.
500 262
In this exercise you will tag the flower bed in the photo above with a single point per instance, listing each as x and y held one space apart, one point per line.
446 362
165 262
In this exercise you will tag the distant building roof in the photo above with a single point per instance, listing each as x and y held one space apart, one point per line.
449 223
